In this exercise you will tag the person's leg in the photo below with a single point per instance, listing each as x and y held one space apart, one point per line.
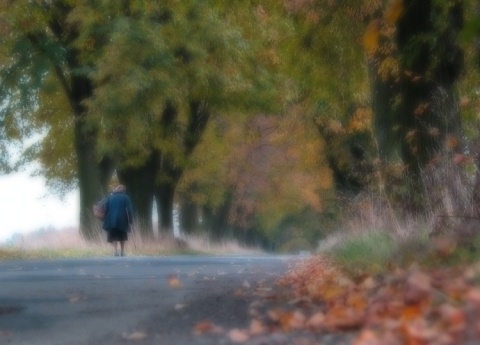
122 248
115 247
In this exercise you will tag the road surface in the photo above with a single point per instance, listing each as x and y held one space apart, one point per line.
123 300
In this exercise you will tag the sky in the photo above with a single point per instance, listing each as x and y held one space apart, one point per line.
26 205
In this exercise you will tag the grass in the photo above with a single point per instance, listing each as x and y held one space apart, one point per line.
53 244
376 251
369 251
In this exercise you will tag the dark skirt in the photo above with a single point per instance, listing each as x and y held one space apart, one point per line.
115 235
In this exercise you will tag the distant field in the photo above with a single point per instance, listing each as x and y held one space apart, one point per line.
68 243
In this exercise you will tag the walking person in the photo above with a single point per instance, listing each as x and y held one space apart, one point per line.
118 218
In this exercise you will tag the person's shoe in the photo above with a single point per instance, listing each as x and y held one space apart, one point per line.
123 254
116 254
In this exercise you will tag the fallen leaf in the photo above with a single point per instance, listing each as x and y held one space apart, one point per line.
76 297
316 321
180 306
206 326
344 319
454 318
417 287
296 321
257 327
238 336
174 282
135 336
421 108
460 159
369 283
418 333
367 337
473 296
239 293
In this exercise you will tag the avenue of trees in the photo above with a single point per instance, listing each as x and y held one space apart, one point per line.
260 119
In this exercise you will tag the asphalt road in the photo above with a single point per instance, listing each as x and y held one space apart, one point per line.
123 300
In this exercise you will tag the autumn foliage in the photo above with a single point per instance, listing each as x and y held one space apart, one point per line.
414 306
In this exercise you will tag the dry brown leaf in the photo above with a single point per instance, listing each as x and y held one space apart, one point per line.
356 300
421 108
206 326
412 311
77 297
238 335
174 282
418 333
368 283
257 327
367 337
297 321
239 292
135 336
316 321
417 287
453 317
473 296
434 132
444 246
452 142
274 314
180 306
5 334
460 159
343 318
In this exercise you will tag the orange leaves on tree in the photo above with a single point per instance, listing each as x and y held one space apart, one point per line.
421 109
394 11
371 38
452 142
361 120
410 136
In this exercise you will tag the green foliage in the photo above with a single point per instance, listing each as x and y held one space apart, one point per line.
183 52
32 55
369 250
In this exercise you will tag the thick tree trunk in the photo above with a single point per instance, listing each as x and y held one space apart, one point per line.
88 178
85 142
430 64
170 171
385 121
164 194
188 217
428 68
215 222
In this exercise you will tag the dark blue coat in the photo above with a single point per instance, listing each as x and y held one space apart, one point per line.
119 214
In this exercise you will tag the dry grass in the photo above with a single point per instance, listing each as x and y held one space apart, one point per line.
68 243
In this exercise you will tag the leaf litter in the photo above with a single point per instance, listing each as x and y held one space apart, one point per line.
413 306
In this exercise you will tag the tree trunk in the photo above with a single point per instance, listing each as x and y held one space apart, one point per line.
85 143
385 121
171 171
188 217
164 194
88 178
430 64
215 221
432 68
